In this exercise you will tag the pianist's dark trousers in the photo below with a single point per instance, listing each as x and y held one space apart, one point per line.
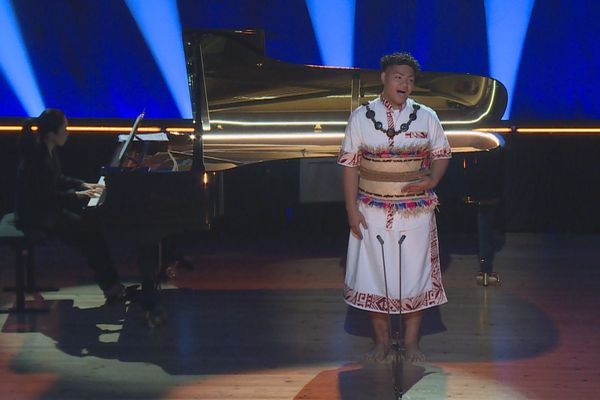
73 230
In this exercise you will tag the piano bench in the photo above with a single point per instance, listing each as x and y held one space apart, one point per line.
23 246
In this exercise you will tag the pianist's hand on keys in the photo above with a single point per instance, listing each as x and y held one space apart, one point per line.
88 194
97 189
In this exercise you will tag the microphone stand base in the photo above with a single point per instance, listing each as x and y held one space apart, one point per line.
398 357
488 279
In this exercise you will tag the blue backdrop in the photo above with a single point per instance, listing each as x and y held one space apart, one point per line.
90 58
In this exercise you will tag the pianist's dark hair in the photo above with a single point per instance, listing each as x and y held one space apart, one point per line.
50 120
400 59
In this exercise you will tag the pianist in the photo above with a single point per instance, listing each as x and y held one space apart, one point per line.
47 201
394 153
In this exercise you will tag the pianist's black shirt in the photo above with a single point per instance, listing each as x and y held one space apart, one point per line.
43 194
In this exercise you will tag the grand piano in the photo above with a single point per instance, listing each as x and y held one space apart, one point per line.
249 109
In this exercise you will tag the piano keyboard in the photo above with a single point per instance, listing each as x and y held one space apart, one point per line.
95 200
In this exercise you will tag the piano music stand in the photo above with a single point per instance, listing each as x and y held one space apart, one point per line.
132 135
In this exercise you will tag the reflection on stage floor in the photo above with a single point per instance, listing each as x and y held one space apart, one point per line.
263 318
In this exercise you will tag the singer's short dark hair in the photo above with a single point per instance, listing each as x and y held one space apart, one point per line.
400 59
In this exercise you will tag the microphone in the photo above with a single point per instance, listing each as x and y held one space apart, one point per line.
401 239
380 240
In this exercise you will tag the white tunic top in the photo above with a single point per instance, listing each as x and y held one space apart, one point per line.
390 217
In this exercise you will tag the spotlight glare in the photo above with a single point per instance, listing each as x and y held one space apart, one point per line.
159 23
507 23
15 64
333 23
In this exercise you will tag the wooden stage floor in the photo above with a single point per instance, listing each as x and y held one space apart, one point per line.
266 320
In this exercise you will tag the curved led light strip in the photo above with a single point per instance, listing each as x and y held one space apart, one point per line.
312 135
270 136
489 108
275 123
558 130
343 123
11 128
76 128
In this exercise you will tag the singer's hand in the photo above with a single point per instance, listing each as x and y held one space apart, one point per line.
355 219
423 184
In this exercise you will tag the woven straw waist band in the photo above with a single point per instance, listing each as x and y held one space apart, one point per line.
385 178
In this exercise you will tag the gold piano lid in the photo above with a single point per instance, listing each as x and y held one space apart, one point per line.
235 88
251 108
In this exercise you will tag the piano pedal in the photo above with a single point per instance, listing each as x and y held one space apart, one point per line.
170 271
167 273
491 279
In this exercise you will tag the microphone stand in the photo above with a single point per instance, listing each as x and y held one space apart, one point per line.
397 366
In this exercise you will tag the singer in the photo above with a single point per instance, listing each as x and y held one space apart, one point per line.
394 154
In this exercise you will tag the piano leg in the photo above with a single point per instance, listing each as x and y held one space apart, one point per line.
485 230
149 268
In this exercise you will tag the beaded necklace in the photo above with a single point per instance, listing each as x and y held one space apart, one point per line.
391 132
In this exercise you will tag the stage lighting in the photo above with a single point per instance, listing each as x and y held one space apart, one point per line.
159 23
15 64
507 23
333 24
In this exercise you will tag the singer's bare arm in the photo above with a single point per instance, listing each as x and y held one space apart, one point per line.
438 169
355 217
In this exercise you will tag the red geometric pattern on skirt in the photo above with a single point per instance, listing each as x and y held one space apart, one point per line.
433 297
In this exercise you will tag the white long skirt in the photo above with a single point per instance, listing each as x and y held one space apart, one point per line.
365 282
